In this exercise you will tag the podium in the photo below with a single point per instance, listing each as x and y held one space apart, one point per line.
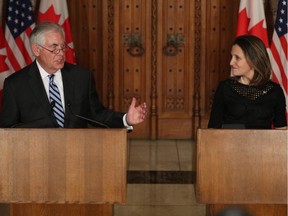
62 171
242 168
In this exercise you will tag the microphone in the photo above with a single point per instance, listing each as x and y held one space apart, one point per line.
85 118
52 104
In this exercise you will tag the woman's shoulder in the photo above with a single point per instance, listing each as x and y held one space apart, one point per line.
228 82
275 86
270 85
225 86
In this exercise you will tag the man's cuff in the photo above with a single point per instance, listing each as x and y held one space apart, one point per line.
128 127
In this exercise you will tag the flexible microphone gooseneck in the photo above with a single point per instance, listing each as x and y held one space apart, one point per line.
85 118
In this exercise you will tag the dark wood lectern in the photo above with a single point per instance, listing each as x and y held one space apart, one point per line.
62 171
246 168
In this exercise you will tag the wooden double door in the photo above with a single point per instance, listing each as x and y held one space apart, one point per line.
156 63
143 49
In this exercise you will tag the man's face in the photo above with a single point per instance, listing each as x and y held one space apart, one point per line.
51 55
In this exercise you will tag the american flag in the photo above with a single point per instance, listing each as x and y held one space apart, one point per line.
19 24
279 46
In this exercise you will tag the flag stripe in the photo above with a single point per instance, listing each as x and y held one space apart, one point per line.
284 47
278 67
25 54
15 64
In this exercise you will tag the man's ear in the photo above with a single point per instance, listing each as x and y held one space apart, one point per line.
35 49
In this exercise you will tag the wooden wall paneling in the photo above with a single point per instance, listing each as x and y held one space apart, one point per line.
114 35
198 25
159 58
2 13
270 7
148 69
200 61
175 72
189 25
221 24
228 25
112 41
109 12
79 25
95 29
156 60
213 55
86 23
133 66
224 39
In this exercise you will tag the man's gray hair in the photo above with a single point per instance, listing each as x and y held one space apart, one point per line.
38 34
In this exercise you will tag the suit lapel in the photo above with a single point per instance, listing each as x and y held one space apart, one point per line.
68 92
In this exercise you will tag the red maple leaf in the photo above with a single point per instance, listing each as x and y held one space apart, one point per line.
259 31
243 23
49 15
256 30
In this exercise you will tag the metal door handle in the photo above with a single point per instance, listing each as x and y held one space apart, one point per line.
172 45
134 41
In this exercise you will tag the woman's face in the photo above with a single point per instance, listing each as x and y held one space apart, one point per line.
239 64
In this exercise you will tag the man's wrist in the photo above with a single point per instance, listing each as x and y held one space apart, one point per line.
126 124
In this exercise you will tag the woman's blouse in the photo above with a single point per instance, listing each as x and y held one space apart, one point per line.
244 106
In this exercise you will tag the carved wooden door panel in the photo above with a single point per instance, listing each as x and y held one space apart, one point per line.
154 62
175 68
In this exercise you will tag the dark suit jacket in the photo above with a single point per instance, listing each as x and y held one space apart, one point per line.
26 104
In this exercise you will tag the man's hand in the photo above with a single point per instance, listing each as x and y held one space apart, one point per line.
136 114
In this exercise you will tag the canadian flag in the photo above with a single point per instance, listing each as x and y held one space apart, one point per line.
4 69
251 20
56 11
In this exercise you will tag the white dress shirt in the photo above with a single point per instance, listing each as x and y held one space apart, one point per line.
57 80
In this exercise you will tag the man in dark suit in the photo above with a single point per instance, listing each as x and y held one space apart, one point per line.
27 98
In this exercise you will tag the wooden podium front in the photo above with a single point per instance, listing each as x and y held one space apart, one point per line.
246 168
62 171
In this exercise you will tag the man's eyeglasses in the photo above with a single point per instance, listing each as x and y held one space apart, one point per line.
56 51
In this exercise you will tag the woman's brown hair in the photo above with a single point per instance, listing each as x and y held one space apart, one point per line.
257 57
